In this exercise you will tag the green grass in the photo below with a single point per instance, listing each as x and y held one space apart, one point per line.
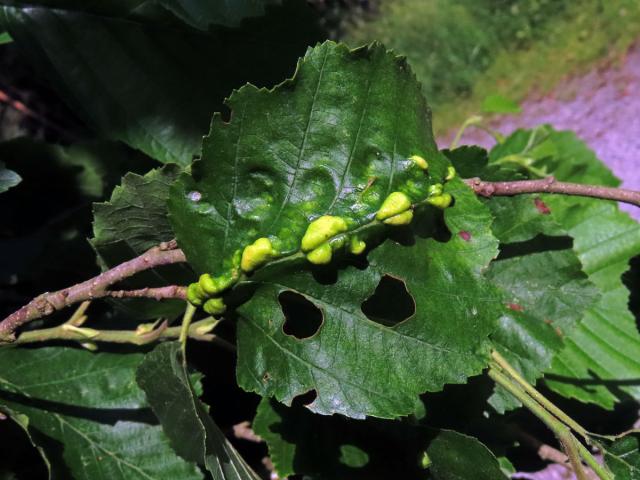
465 50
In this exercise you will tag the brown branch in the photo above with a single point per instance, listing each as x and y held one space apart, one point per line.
159 293
244 431
551 185
47 303
168 253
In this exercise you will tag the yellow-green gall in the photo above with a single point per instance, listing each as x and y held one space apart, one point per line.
208 284
419 161
434 190
403 218
395 203
320 255
257 254
451 172
320 230
441 201
357 246
195 295
214 306
214 285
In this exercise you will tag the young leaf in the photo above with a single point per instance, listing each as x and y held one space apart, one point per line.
89 403
193 434
360 367
334 140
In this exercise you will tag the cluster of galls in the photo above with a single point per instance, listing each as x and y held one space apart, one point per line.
324 235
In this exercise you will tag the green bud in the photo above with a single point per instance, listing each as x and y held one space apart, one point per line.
92 347
434 190
321 230
320 255
214 306
357 246
419 161
193 294
83 331
441 201
257 254
425 461
206 326
395 203
145 328
403 218
451 172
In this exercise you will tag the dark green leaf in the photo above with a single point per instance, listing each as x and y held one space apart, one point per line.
5 38
154 86
204 13
455 456
133 221
90 404
361 367
622 457
307 148
193 434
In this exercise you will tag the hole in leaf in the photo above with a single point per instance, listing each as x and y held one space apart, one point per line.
302 318
428 222
304 399
390 304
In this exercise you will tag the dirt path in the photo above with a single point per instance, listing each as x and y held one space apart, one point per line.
602 107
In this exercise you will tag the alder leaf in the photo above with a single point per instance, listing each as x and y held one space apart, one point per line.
358 366
336 139
312 147
545 290
185 420
599 363
89 404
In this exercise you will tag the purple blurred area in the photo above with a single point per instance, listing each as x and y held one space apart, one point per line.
602 107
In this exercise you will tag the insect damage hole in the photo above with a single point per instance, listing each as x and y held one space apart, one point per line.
302 318
390 304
